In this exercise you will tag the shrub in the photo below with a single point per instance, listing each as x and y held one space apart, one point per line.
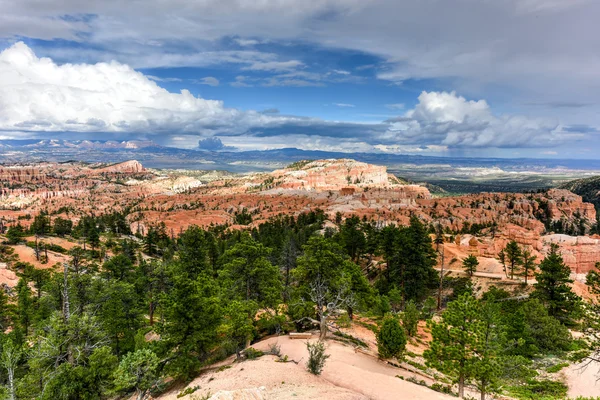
534 389
252 354
410 318
316 357
557 367
391 339
344 321
275 349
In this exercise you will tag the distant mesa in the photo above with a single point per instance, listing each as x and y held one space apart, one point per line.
333 174
129 167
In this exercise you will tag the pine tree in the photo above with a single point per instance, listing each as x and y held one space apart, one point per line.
138 370
458 343
528 264
410 318
249 274
192 313
487 368
552 286
391 338
514 257
470 264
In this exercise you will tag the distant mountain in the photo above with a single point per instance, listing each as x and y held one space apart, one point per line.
587 188
157 156
81 144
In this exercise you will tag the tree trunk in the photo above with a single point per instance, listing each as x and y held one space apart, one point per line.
461 386
483 390
323 328
67 311
140 394
151 311
439 299
11 383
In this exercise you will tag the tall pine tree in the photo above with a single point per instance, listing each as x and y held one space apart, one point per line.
552 287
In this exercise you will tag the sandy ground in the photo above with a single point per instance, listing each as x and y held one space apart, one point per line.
348 375
583 381
27 254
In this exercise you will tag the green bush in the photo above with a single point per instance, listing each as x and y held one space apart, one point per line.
391 339
557 367
539 390
316 357
252 354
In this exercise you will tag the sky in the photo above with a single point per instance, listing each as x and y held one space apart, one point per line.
475 78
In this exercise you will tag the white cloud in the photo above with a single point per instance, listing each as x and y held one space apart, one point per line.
395 106
274 66
159 79
209 80
241 81
443 118
38 95
534 50
246 42
344 105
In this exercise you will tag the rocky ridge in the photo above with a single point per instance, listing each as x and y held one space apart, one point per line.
335 186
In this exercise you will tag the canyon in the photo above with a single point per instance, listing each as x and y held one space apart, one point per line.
479 224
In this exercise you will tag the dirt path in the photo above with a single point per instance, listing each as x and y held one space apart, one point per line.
583 381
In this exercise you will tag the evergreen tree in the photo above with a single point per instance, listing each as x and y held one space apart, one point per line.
192 248
120 314
249 274
329 281
238 324
470 264
15 234
192 314
25 306
62 226
528 264
514 257
138 370
10 353
352 238
457 341
488 365
391 339
552 287
41 224
410 259
287 262
410 318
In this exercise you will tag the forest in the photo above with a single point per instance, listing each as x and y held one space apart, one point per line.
134 313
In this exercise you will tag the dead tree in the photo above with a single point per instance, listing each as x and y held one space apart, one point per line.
8 359
328 304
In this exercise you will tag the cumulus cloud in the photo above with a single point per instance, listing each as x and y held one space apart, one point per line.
450 120
539 47
38 95
213 144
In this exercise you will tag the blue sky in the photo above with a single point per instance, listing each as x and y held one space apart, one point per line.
512 78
